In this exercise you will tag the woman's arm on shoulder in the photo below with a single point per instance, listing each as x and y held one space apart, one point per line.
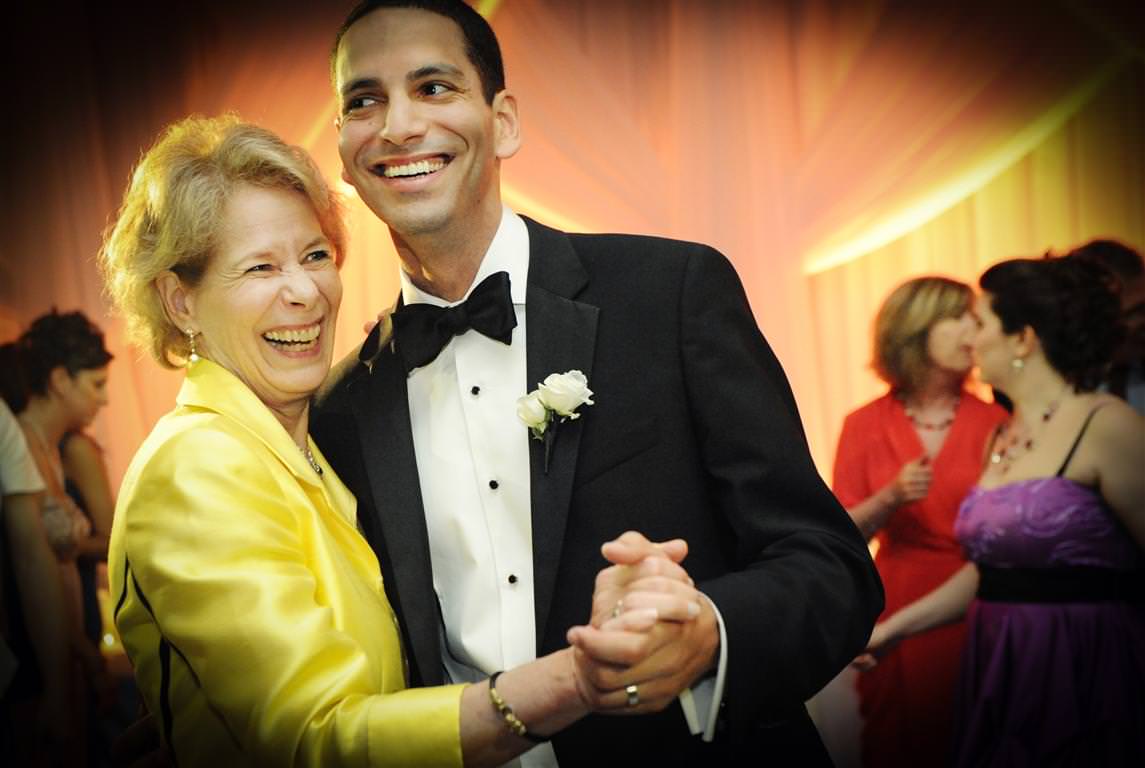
1119 455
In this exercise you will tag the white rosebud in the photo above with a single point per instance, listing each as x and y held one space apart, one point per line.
565 392
532 412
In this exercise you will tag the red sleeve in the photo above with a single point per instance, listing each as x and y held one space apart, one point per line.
850 480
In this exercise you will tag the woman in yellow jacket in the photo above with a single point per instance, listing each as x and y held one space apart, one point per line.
251 607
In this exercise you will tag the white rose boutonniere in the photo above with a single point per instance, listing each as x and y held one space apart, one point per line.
553 402
563 393
533 413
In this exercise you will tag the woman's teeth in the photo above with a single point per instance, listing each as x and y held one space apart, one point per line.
294 337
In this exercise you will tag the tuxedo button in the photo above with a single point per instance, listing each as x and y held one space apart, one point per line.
494 484
475 390
512 578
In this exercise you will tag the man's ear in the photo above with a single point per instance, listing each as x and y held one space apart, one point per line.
178 302
506 124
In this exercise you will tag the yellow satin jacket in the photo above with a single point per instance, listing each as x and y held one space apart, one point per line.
251 607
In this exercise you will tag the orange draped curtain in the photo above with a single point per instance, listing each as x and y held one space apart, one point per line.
830 149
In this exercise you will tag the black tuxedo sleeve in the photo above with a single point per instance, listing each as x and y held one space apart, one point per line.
802 595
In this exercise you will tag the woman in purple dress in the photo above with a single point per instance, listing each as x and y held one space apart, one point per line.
1053 672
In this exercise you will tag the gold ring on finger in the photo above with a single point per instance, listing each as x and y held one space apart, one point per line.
618 608
633 695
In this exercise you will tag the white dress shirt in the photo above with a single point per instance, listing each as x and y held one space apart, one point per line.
473 467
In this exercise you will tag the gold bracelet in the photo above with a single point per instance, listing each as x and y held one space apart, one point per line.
512 722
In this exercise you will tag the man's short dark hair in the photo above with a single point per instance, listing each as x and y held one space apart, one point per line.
481 44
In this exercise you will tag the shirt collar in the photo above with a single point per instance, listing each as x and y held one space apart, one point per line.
508 252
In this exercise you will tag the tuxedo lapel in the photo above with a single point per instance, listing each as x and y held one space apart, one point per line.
561 336
382 413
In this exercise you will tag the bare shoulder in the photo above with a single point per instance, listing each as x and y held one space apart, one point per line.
1115 438
1116 420
80 446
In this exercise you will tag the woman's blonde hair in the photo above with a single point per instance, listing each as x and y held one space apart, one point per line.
174 207
902 328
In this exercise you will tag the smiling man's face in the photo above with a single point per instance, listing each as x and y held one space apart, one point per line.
417 139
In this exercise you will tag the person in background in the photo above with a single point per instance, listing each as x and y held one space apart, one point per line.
65 364
1053 671
35 711
87 483
1126 377
111 705
904 462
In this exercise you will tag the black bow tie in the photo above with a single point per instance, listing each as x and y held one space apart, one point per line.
421 331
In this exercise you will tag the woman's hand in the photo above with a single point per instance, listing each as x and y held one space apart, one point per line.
369 325
883 638
913 481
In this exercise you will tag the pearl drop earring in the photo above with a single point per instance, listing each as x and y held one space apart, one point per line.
193 357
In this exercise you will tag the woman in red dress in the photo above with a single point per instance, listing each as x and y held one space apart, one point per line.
903 465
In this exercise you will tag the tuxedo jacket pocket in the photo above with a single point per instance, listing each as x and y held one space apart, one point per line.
610 452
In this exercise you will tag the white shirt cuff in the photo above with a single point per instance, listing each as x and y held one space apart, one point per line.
701 702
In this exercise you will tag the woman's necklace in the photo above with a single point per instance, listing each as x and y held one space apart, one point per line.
1011 445
311 460
932 426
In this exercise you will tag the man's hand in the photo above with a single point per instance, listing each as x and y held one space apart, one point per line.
649 628
661 660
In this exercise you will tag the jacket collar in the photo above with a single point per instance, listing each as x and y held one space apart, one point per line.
211 387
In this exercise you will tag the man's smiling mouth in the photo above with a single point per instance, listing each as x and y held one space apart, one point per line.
414 169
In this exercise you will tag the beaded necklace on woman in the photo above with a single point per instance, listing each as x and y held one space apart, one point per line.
1017 438
932 420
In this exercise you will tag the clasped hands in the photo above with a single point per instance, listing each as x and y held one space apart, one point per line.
651 634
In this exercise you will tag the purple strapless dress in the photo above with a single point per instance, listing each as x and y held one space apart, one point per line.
1050 683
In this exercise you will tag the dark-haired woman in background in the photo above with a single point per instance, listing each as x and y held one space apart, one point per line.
64 363
1053 672
904 463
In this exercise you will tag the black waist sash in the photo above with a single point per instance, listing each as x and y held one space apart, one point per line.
1060 585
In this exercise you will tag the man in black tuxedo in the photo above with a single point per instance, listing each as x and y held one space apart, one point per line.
490 540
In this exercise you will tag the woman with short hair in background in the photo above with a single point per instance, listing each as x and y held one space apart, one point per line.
904 463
